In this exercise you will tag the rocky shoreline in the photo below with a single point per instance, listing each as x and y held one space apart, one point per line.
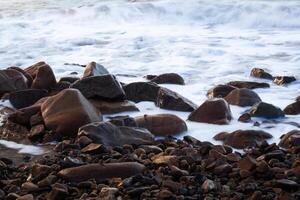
125 157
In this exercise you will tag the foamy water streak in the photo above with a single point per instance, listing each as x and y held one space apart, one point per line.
207 42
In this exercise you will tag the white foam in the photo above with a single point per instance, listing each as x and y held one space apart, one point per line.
22 148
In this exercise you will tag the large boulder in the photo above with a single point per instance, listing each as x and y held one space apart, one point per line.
213 111
282 80
94 69
22 116
266 110
248 84
162 124
219 91
109 134
291 138
12 80
67 111
260 73
106 107
167 99
24 98
101 172
141 91
43 76
105 87
28 76
243 138
168 78
292 109
242 97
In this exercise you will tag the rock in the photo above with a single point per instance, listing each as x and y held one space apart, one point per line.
94 149
23 115
40 171
242 97
67 111
141 91
94 69
168 78
68 79
110 135
266 110
123 121
247 163
286 184
161 159
248 84
214 111
37 132
292 109
106 107
28 76
262 167
246 117
260 73
282 80
208 186
48 181
107 193
220 91
26 197
43 76
58 192
101 172
290 139
12 80
162 124
105 87
243 138
60 86
83 141
170 100
24 98
223 169
29 187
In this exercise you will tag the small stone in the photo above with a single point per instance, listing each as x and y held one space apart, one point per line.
248 84
247 163
246 117
208 186
94 149
286 184
29 187
260 73
282 80
165 160
108 193
26 197
58 192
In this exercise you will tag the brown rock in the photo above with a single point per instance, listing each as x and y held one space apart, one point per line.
28 76
248 84
292 109
141 91
58 192
37 132
266 110
23 115
110 135
208 186
94 149
247 163
105 87
106 107
101 172
220 91
246 117
242 97
286 184
29 187
43 76
12 80
215 111
94 69
107 193
260 73
67 111
290 139
168 78
24 98
243 138
223 169
162 124
162 159
68 79
282 80
171 100
26 197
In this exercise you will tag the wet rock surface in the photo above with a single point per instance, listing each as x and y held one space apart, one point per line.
167 78
242 97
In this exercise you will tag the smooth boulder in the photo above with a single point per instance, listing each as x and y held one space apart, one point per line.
242 97
266 110
109 134
24 98
243 138
105 87
292 138
141 91
43 76
248 84
162 124
67 111
260 73
106 107
12 80
213 111
219 91
170 100
292 109
101 172
168 78
94 69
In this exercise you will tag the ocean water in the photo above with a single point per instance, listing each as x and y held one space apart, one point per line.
207 42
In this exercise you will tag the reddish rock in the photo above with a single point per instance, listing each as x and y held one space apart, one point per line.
141 91
94 69
246 117
247 163
220 91
248 84
282 80
162 124
290 139
43 76
242 97
101 172
105 87
243 138
266 110
25 98
12 80
170 100
260 73
28 76
292 109
67 111
168 78
215 111
22 116
106 107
